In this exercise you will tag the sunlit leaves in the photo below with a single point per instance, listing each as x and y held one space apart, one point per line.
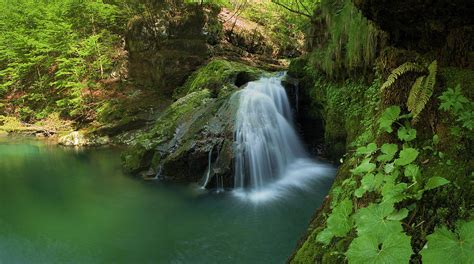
398 215
444 246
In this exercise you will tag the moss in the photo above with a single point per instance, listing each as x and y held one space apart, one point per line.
347 109
308 251
297 68
177 113
216 74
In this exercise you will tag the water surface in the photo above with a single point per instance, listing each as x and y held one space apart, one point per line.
61 205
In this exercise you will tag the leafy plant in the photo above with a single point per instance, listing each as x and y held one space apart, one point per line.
399 71
444 246
339 223
389 116
391 174
393 248
462 108
421 90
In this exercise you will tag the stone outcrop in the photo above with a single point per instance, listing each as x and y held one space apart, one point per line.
166 46
196 127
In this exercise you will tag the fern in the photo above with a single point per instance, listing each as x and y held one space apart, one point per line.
415 91
422 90
400 70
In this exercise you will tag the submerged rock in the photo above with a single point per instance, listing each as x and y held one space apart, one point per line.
80 139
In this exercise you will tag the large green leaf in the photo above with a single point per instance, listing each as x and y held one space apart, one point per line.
412 171
364 167
435 182
406 134
407 156
389 151
444 246
339 222
393 248
373 220
394 193
389 116
369 183
367 150
325 236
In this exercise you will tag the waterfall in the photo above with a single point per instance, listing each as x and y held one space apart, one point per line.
269 156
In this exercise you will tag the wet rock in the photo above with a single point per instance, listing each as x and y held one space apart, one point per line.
195 128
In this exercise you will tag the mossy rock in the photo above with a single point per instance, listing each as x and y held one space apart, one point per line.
217 75
163 130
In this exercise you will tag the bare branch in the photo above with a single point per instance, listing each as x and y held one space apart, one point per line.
291 9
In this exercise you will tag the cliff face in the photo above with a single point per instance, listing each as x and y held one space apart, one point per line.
355 99
166 46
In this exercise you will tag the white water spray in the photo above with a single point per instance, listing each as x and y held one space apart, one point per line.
269 157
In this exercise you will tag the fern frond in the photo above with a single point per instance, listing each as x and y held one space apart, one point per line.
400 70
415 91
414 95
431 79
421 91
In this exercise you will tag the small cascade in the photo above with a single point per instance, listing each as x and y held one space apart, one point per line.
158 172
207 174
219 184
269 156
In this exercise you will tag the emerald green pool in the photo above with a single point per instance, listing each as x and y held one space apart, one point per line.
61 205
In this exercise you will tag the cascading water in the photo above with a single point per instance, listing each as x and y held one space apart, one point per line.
269 157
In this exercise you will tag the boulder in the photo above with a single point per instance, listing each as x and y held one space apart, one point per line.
195 130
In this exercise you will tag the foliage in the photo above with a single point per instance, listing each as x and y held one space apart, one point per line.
399 71
51 54
392 175
462 108
338 223
284 21
389 116
444 246
352 39
421 90
393 248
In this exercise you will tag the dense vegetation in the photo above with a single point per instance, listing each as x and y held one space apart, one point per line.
398 113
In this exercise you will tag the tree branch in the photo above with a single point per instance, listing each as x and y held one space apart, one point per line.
291 9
